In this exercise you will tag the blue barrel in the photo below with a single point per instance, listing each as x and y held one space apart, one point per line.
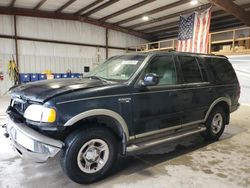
79 75
64 75
24 77
73 75
34 77
42 77
57 76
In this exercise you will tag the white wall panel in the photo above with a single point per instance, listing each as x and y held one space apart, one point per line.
241 65
62 30
120 39
35 57
6 26
113 52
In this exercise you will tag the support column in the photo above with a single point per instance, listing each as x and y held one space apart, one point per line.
107 42
16 46
16 43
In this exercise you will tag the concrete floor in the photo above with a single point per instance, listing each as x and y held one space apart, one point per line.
189 163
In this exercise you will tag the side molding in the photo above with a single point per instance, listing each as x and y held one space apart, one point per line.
221 99
96 112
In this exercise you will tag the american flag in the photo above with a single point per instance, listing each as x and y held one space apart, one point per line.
194 32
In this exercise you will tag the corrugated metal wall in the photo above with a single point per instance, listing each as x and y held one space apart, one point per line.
39 56
241 65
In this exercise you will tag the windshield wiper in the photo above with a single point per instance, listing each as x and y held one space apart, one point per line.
97 78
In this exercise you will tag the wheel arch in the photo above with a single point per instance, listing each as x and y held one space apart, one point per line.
224 102
105 117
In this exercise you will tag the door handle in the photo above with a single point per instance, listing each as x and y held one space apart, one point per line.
173 93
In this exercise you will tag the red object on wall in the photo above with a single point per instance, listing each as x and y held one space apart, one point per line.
1 76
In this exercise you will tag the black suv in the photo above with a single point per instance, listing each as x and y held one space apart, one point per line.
126 104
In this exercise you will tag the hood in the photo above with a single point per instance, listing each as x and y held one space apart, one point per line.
43 90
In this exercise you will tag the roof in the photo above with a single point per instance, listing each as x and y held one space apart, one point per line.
176 52
124 15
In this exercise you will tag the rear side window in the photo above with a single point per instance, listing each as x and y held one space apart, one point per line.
221 70
190 69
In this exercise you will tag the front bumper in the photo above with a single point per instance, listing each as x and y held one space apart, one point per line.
30 144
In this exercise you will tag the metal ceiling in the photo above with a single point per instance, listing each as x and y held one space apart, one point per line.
122 15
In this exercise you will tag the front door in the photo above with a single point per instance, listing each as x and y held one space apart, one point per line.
158 107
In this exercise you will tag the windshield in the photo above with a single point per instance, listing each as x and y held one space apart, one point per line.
118 68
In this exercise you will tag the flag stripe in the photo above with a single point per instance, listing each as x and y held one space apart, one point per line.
194 32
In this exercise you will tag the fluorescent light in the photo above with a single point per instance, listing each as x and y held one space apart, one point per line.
145 18
194 2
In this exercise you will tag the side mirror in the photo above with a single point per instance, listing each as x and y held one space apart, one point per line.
150 79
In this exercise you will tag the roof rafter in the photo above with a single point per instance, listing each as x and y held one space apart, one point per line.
67 16
214 25
233 9
174 34
176 26
12 4
88 6
65 5
216 16
100 7
169 16
172 5
130 8
39 4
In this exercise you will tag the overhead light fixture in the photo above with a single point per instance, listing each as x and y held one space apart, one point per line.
145 18
194 2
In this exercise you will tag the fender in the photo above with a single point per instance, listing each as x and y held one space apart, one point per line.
96 112
221 99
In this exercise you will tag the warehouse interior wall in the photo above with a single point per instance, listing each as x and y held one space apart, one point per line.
241 66
35 57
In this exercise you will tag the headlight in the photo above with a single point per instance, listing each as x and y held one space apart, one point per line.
40 113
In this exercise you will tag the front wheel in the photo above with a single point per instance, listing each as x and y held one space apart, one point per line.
215 124
89 154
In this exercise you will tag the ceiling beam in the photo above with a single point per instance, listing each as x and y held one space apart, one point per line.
227 24
88 7
67 16
161 27
216 16
65 5
232 8
169 16
100 7
174 34
154 11
130 8
39 4
165 31
12 4
176 25
213 26
217 28
170 36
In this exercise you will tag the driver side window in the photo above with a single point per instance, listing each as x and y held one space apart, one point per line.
164 67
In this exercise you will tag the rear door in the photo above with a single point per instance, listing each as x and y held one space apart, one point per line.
196 92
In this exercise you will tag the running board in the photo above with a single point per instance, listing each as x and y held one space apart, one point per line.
144 145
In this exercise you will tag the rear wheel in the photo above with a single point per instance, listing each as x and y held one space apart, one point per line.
215 124
89 154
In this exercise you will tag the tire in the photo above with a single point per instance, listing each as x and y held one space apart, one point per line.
217 118
83 150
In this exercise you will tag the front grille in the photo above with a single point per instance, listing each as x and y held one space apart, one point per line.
19 105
